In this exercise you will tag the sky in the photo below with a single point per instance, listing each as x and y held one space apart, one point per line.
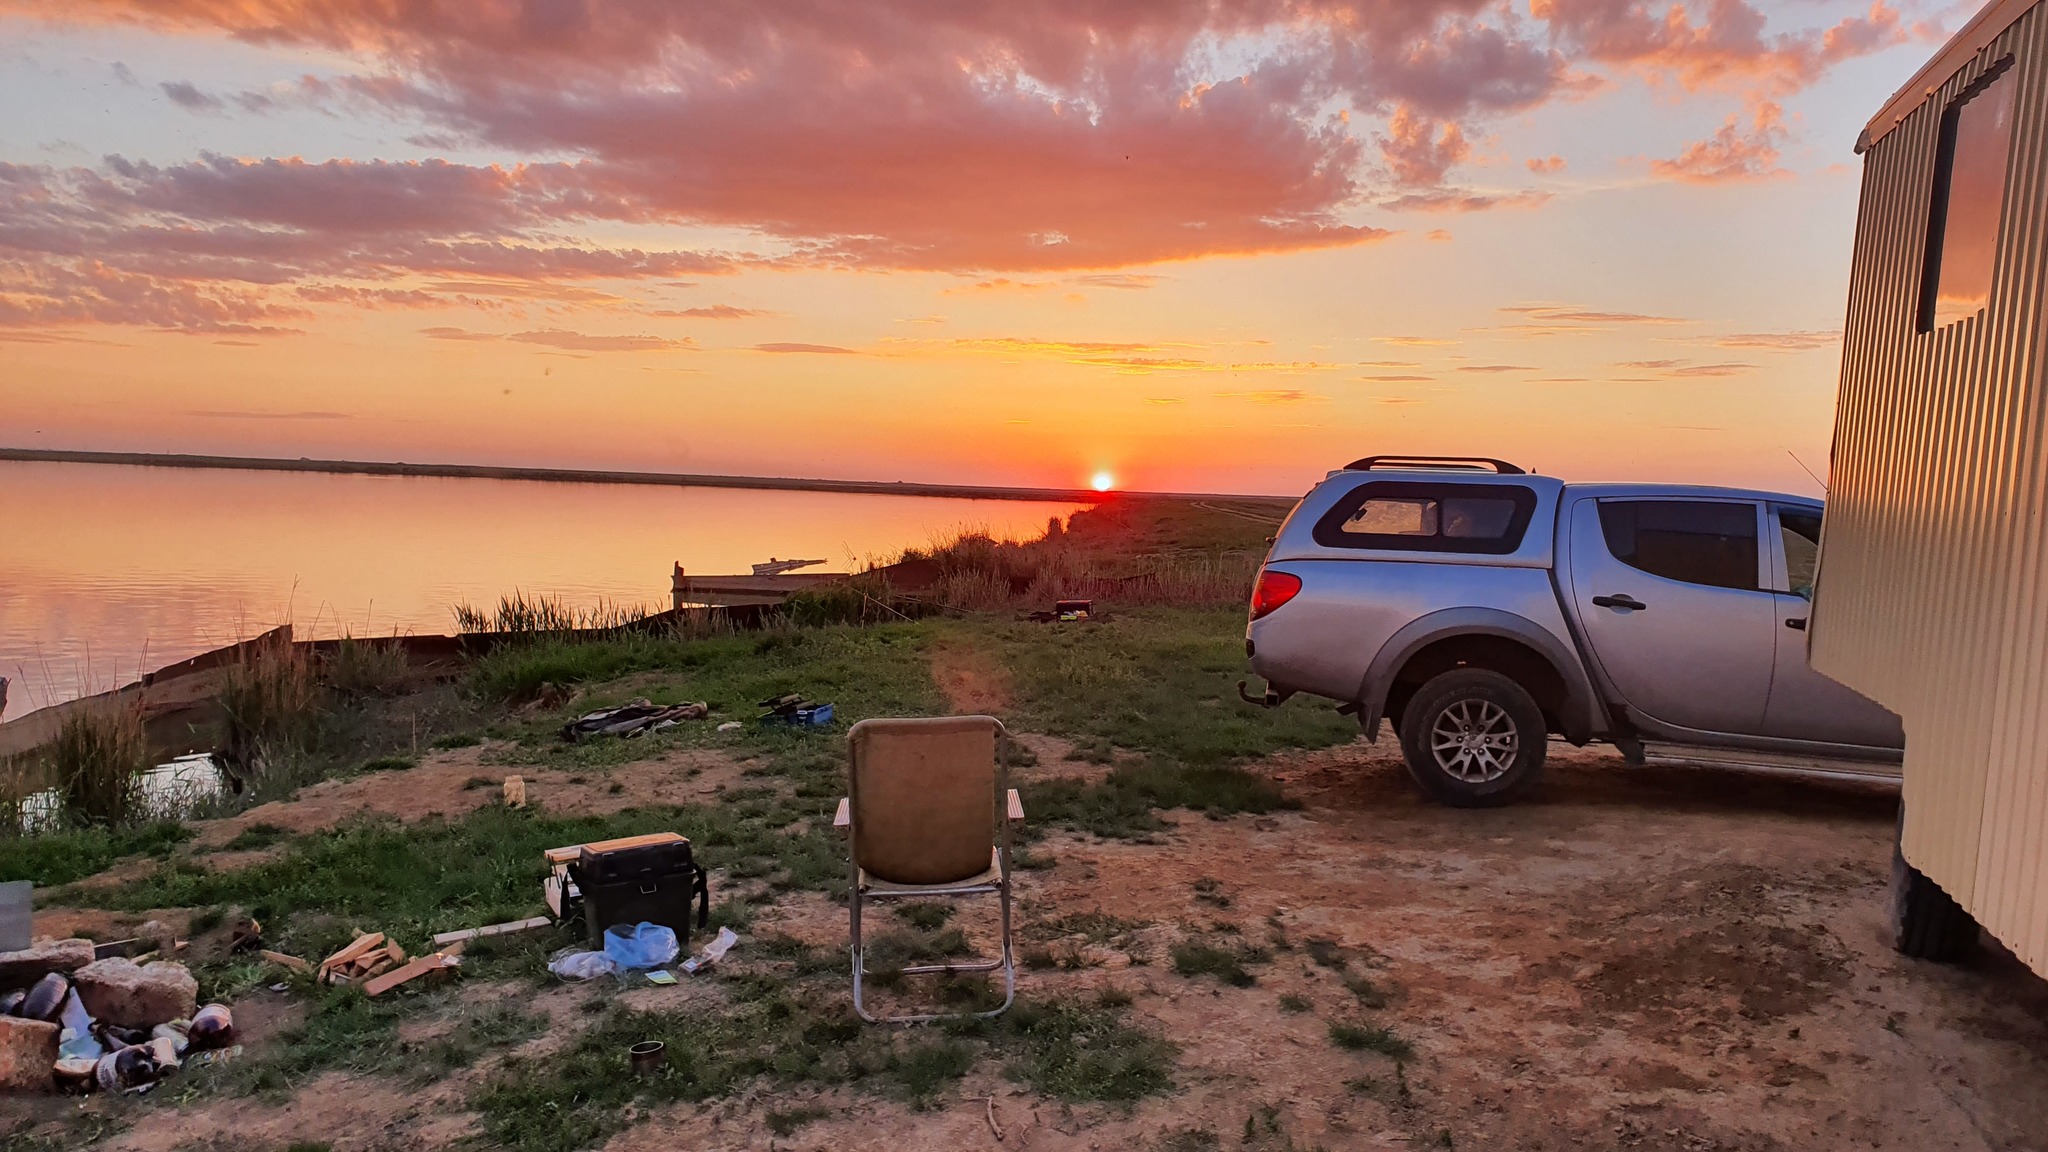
1222 246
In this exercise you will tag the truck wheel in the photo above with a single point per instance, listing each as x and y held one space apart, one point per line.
1926 923
1473 738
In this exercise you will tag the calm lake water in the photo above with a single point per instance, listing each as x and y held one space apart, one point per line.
107 571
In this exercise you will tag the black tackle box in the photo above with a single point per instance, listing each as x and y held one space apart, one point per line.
656 883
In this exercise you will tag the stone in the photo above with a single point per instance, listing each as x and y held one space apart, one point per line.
119 991
28 1055
23 968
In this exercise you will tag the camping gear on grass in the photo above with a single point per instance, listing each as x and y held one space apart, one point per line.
655 883
633 719
796 711
923 823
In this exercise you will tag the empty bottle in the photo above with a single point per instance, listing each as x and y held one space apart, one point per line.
10 1004
212 1027
45 999
130 1067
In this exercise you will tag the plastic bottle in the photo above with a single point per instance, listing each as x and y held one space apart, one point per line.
212 1027
10 1004
128 1068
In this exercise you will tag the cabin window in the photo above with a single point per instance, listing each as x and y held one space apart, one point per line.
1969 196
1696 541
1408 516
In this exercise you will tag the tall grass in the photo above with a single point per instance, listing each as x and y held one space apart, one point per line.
545 615
978 574
271 702
97 759
357 668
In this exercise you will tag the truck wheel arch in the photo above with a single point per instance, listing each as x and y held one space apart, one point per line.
1482 638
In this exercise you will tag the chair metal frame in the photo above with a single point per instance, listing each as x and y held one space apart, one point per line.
862 889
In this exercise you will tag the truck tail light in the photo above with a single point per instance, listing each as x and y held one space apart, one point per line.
1273 590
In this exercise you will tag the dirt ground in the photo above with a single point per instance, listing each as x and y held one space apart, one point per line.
1634 959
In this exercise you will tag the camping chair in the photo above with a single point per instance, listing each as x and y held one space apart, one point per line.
922 823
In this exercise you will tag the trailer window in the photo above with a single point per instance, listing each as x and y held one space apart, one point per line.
1423 517
1697 541
1969 197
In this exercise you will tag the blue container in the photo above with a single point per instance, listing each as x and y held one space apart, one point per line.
816 715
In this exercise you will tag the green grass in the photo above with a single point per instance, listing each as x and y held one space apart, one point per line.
412 880
55 858
926 915
1293 1003
1077 1052
257 835
788 1121
1159 681
1369 1038
1192 958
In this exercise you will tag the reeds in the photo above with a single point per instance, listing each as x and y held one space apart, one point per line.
271 702
545 615
358 668
97 760
978 574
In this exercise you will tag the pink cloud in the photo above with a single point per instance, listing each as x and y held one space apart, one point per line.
1734 153
712 312
819 349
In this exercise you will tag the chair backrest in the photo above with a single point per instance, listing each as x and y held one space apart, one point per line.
923 795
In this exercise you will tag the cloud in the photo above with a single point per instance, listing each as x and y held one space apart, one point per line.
1438 235
1569 320
1272 396
1733 153
219 241
1727 46
186 95
583 342
244 415
1416 341
1801 341
1124 280
1545 165
712 312
1686 369
821 349
1400 379
567 341
1494 368
999 284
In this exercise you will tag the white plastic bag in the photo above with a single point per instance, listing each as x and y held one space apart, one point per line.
582 965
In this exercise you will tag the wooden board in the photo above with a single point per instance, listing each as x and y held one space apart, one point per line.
492 930
432 962
568 855
291 962
349 954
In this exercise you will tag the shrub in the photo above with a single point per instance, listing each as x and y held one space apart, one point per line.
365 667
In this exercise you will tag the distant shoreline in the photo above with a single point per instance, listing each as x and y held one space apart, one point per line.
599 476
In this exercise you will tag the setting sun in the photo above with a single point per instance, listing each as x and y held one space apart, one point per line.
1103 482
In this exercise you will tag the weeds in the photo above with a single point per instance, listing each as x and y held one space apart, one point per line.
1192 958
545 615
53 858
357 668
98 758
1370 1038
1295 1004
271 705
787 1121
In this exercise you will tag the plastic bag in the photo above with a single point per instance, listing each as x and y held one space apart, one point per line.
641 945
582 965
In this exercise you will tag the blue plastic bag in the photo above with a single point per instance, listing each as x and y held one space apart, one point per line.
641 945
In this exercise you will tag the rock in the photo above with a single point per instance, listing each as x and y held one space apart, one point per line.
118 991
28 1054
23 968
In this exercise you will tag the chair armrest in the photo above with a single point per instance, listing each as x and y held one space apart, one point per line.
843 819
1016 807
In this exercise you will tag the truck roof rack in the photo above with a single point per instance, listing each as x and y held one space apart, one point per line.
1450 463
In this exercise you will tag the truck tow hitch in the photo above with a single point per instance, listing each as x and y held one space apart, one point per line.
1270 699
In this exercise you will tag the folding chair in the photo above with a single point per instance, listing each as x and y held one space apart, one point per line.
922 824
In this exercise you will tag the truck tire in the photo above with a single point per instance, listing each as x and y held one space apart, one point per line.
1926 922
1473 738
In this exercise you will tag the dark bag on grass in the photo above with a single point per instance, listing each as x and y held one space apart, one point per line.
654 882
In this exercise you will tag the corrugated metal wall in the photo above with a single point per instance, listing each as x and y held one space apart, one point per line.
1934 573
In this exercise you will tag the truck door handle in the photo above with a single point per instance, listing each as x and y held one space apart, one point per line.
1797 624
1622 600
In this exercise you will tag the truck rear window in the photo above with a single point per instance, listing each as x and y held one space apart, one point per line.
1408 516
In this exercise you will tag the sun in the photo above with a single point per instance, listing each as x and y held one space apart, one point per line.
1103 482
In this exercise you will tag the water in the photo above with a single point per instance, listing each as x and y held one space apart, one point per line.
108 571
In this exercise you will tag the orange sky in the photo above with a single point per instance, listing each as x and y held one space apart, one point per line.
1211 246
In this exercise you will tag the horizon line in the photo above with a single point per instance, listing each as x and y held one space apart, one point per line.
606 476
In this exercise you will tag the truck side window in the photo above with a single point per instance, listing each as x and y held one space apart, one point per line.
1697 541
1800 532
1408 516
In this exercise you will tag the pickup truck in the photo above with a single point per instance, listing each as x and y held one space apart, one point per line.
1481 609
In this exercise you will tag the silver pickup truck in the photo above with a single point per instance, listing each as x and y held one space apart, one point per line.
1480 609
